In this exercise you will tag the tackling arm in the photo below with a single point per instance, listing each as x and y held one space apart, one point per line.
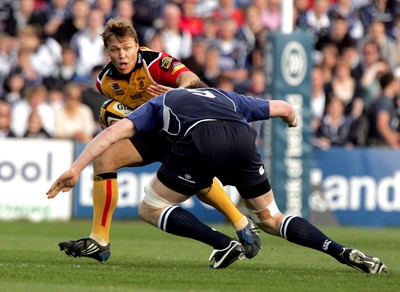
120 130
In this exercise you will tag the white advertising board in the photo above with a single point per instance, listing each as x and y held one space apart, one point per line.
27 170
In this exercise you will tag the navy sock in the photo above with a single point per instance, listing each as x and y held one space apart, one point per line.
300 231
180 222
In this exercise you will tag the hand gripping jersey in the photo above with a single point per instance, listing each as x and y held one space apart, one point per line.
178 111
151 68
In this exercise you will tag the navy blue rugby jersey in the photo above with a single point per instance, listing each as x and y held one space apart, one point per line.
177 111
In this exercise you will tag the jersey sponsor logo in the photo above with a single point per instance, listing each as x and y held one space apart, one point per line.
165 63
115 87
187 178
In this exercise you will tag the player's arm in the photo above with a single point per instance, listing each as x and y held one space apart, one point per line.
120 130
285 111
184 79
170 73
256 109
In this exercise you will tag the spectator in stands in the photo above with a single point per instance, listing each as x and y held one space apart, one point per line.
317 19
27 43
15 85
384 121
125 9
74 23
5 120
346 9
386 45
377 10
177 42
198 58
352 56
190 21
397 38
346 88
56 98
254 36
75 120
301 8
147 14
88 44
251 29
35 127
396 8
206 8
54 14
232 61
25 69
210 32
335 127
256 86
271 19
156 42
228 9
318 99
338 35
329 58
211 70
225 83
20 14
256 58
93 98
8 58
6 11
373 67
66 72
35 98
107 7
45 53
360 3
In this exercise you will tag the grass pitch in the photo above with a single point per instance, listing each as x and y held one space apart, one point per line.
144 258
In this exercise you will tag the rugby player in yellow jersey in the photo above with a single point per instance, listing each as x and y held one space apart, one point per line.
135 75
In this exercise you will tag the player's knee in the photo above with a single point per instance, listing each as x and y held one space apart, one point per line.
104 163
148 214
143 212
268 218
152 205
153 199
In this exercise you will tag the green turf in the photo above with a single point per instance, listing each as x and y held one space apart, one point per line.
146 259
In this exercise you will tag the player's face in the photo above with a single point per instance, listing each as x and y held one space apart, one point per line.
123 53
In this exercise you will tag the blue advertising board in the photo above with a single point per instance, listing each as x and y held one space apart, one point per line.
361 187
288 77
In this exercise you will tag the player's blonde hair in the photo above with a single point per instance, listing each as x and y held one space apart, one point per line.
120 28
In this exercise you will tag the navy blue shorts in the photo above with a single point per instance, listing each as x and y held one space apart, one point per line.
221 149
151 146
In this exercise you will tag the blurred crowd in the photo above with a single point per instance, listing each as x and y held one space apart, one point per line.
51 52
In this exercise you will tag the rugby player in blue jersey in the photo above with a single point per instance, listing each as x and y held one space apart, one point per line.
134 75
211 137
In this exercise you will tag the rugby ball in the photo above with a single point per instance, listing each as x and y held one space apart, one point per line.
112 111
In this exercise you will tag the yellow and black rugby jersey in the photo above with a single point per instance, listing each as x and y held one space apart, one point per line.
151 68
